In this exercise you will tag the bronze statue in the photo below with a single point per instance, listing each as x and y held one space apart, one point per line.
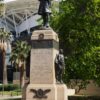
45 11
59 66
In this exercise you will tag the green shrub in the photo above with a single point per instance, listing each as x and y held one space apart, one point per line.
84 97
9 87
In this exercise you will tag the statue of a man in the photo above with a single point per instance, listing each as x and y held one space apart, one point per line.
45 11
59 66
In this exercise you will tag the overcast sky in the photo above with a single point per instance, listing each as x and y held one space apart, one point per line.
9 0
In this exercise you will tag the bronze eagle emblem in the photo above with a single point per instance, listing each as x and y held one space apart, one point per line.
40 93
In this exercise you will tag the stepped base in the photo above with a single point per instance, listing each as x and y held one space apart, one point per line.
45 92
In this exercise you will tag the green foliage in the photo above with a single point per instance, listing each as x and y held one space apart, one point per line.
20 52
78 25
4 35
1 7
82 97
10 87
18 57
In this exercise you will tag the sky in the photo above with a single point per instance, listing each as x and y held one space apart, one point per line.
9 0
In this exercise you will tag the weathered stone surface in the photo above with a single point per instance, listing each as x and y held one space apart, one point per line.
57 92
43 55
51 95
61 92
45 46
47 35
42 69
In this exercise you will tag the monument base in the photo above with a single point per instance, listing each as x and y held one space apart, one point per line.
45 47
45 92
62 92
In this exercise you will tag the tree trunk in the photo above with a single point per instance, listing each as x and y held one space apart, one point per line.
4 69
22 79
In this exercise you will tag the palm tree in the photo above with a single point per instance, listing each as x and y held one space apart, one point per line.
2 8
4 41
18 57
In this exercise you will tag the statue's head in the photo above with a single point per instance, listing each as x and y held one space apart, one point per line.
61 51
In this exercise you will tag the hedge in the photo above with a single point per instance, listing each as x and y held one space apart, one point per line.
9 87
84 98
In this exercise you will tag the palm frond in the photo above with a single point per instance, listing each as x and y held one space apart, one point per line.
20 52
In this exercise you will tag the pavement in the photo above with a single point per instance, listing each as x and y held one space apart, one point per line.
6 97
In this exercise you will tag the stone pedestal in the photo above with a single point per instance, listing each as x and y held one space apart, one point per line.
61 92
45 46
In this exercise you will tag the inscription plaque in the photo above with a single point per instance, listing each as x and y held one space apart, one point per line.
42 44
42 69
